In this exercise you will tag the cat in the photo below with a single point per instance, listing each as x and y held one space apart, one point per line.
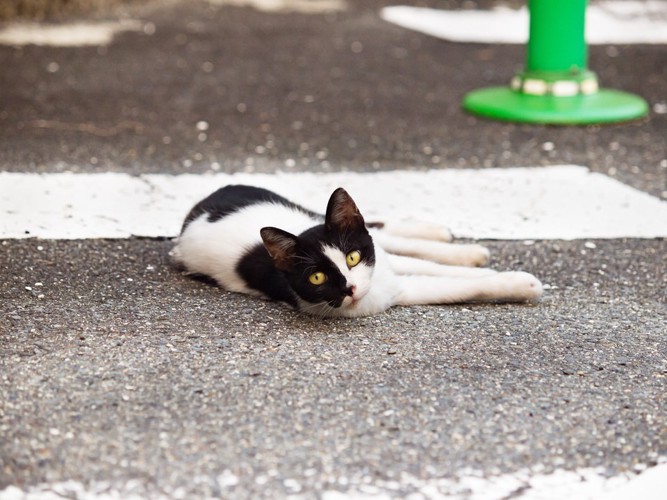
252 240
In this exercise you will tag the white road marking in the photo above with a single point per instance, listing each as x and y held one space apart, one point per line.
102 33
607 22
622 22
69 34
560 202
98 33
582 484
300 6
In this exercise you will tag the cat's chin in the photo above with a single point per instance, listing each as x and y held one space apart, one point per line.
349 302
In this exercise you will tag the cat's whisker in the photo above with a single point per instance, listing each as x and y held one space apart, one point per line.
320 310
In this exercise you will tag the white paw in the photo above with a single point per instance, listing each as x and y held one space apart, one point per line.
454 254
478 256
421 230
434 232
520 286
176 254
469 255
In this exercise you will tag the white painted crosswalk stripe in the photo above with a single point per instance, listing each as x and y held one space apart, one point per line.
560 202
582 484
609 22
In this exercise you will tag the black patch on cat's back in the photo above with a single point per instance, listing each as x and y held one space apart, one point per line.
232 198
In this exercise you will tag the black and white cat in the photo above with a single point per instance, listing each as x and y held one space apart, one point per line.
254 241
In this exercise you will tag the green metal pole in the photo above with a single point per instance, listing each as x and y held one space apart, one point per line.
556 40
556 87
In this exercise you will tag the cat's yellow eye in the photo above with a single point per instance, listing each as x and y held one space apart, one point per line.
317 278
353 258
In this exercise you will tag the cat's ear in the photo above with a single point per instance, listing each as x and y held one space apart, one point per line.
281 246
342 212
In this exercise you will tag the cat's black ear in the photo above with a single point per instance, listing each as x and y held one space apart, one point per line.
281 246
342 212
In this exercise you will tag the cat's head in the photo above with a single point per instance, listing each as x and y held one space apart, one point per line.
329 265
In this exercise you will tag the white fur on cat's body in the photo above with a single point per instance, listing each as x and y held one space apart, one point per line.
419 276
209 250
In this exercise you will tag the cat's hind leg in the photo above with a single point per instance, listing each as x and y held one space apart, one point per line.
413 229
455 254
401 264
500 287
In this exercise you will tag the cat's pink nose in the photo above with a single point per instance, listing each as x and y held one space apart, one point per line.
350 290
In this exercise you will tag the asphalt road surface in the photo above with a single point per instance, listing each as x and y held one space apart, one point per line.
120 374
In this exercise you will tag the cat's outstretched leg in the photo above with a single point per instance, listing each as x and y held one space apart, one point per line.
421 230
401 264
501 287
444 253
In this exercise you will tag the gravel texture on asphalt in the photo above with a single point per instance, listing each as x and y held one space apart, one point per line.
116 366
117 369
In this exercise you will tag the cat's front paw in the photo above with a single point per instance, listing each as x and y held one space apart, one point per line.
520 286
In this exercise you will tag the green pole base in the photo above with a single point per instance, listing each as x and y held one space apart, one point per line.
603 106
